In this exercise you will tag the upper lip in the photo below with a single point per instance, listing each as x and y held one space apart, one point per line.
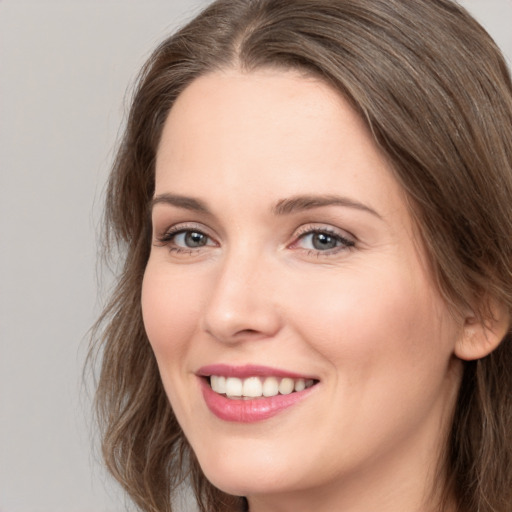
248 370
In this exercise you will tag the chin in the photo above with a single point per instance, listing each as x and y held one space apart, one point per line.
245 485
259 474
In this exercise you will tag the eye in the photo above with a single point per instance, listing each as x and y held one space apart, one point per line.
190 239
183 238
323 240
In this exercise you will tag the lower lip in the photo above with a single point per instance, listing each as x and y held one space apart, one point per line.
249 411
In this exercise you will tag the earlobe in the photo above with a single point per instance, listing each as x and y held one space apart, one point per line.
481 336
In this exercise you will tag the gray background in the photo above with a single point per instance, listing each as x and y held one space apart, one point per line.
65 67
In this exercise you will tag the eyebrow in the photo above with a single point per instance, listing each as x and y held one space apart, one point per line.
308 202
282 207
185 202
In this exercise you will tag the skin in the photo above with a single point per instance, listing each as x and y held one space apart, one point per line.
365 319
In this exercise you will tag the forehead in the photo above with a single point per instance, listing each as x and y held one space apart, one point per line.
292 132
232 107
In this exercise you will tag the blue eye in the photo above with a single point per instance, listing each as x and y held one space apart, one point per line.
181 238
323 241
190 239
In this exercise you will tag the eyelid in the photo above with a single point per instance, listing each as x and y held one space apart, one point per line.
166 235
346 239
324 228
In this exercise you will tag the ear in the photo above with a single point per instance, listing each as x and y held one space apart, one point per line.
481 336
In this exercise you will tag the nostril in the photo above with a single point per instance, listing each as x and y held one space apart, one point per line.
248 332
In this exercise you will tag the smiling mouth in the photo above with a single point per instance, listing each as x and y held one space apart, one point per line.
257 386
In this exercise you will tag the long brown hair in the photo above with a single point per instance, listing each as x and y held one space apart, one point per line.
437 96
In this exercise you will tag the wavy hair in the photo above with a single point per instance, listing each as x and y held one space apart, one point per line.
435 91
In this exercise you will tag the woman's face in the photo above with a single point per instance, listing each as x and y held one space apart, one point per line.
284 257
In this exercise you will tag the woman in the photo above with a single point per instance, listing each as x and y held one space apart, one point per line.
314 201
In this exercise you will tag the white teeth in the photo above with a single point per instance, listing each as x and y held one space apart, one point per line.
255 387
252 387
218 383
233 386
270 386
286 386
300 385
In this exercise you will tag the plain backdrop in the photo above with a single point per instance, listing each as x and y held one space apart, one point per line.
65 72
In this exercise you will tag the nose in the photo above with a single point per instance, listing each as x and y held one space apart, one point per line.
242 301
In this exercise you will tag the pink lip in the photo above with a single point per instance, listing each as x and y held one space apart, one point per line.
253 410
249 370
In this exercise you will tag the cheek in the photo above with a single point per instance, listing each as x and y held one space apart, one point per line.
398 325
170 310
388 349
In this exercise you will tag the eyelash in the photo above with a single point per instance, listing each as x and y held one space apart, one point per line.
343 243
168 238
